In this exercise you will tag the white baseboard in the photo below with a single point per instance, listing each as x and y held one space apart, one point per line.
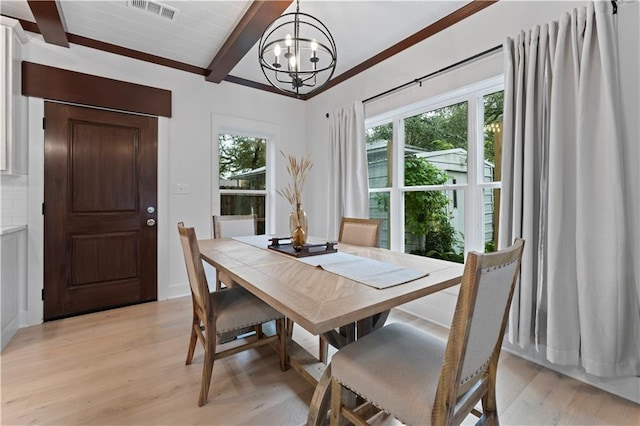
178 290
8 332
627 387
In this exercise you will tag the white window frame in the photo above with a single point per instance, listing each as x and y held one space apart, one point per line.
473 189
239 126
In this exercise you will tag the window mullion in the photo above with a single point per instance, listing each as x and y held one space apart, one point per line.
473 199
397 196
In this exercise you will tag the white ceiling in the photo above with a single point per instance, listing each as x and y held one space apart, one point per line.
361 29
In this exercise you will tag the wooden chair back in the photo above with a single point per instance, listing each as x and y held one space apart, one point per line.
228 226
471 357
360 232
195 271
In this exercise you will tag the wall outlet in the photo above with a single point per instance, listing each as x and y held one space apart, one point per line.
180 188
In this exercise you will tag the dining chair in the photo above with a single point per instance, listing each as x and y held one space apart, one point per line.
223 311
421 379
228 226
360 232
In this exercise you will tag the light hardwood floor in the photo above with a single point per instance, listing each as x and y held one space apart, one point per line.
126 367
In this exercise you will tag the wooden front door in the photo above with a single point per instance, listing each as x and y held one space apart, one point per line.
100 193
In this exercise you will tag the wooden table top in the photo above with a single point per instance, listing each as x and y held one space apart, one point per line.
319 300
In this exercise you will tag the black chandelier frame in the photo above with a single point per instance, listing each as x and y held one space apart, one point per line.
298 78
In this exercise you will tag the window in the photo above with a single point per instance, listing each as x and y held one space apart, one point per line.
492 134
433 179
379 154
243 171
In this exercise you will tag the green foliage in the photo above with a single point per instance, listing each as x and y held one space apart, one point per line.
240 154
426 212
493 107
493 111
444 128
383 132
382 201
490 247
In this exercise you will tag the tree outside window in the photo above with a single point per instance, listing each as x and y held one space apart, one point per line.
242 176
435 162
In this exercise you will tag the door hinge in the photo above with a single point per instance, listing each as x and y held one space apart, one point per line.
44 123
43 209
43 294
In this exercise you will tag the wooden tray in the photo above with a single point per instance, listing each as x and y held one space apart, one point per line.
307 250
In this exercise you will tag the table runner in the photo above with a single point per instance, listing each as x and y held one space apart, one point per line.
366 271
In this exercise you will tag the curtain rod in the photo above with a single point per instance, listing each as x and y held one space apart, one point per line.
433 74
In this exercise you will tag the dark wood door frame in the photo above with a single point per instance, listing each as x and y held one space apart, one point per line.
57 84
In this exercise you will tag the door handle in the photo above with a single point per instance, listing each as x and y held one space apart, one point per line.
151 222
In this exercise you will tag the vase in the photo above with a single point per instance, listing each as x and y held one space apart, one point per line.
298 227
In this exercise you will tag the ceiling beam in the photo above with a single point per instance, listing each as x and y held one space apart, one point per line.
248 31
49 21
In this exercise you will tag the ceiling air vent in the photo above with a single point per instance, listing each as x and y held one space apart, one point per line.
154 8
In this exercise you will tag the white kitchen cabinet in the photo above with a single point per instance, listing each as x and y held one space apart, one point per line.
13 137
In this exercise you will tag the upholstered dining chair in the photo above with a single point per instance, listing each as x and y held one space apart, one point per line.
421 379
360 232
223 311
229 226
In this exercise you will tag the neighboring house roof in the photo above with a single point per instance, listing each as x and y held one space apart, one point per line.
249 174
381 145
442 152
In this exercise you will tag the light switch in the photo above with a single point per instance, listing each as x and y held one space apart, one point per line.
180 188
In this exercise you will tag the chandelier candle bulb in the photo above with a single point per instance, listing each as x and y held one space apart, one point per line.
287 42
276 52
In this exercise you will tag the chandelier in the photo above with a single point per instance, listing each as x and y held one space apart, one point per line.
297 53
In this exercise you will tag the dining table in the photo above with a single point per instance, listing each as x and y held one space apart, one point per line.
339 306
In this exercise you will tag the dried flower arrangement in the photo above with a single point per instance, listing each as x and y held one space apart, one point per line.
298 170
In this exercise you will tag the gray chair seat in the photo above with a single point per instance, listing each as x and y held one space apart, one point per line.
236 309
408 388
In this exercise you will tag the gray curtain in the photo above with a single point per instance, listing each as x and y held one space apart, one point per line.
564 193
348 178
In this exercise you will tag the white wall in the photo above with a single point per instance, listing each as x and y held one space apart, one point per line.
185 150
480 32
